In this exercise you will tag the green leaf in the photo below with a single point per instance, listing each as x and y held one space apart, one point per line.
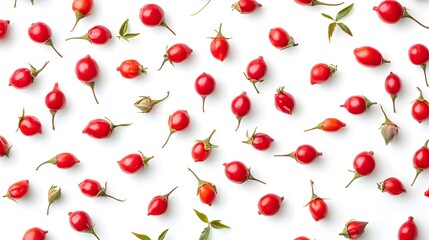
130 35
141 236
124 28
345 29
163 234
202 216
344 12
331 29
218 225
327 16
205 233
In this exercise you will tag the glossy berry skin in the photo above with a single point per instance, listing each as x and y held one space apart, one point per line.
4 147
29 125
40 32
284 101
132 163
55 100
392 185
391 11
82 222
256 71
152 15
259 141
421 160
97 35
269 204
176 54
392 85
35 234
206 191
24 77
101 128
357 104
62 161
281 39
302 238
246 6
304 154
82 9
240 107
86 71
420 108
159 204
369 56
219 47
427 193
203 148
317 206
131 69
408 230
329 125
354 229
419 55
237 172
364 165
4 25
178 121
204 85
321 72
92 188
18 190
315 2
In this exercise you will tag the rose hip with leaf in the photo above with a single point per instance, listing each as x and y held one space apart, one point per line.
419 55
152 15
421 160
256 71
4 147
176 54
317 206
389 130
63 160
41 33
321 72
246 6
240 107
178 121
206 190
17 190
4 25
281 39
145 103
369 56
392 185
357 104
202 148
24 77
86 71
269 204
260 141
304 154
82 222
392 85
97 35
82 9
364 165
391 11
145 237
216 224
219 47
284 101
353 229
92 188
238 172
55 100
101 128
204 85
341 14
131 68
131 163
315 2
159 204
420 108
54 194
29 125
328 125
408 230
35 233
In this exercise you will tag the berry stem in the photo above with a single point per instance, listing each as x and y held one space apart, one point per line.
393 97
168 194
356 176
239 122
200 182
53 119
250 177
386 119
423 66
14 4
103 193
315 2
405 14
51 44
52 161
166 58
35 72
204 101
84 37
91 231
79 16
164 24
91 85
205 5
319 126
168 138
418 171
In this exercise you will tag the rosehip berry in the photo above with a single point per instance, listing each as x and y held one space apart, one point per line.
4 25
419 55
29 125
256 71
152 15
420 108
391 11
304 154
357 104
260 141
134 162
24 77
96 35
354 229
35 234
4 147
92 188
363 164
392 185
302 238
178 121
317 206
202 149
246 6
101 128
238 173
176 54
281 39
421 160
86 71
284 101
41 33
219 47
204 85
131 68
321 72
82 222
315 2
159 204
369 56
55 100
62 160
392 84
427 193
206 190
328 125
18 190
408 230
240 107
269 204
82 9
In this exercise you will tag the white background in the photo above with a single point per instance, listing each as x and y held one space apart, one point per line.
236 205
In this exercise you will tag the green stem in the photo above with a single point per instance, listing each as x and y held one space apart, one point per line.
315 2
200 182
407 15
239 122
84 37
51 161
164 24
51 44
193 14
418 171
168 138
91 85
356 176
35 72
79 16
423 66
53 119
91 231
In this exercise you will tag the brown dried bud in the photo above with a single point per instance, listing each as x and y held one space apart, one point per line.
145 103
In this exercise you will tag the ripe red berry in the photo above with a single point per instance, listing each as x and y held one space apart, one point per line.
392 84
304 154
204 85
62 160
205 190
86 71
82 9
246 6
354 229
237 172
176 54
260 141
302 238
427 193
29 125
92 188
82 222
316 2
419 55
369 56
392 185
178 121
357 104
408 230
4 147
269 204
420 108
202 149
159 204
4 25
240 107
321 72
363 164
24 77
284 101
55 100
17 190
134 162
96 35
101 128
281 39
152 15
391 11
131 69
219 47
317 206
328 125
41 33
256 71
35 234
421 160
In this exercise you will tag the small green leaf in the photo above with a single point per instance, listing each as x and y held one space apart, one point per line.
218 225
202 216
124 28
141 236
205 233
345 29
163 234
130 35
327 16
344 12
331 29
